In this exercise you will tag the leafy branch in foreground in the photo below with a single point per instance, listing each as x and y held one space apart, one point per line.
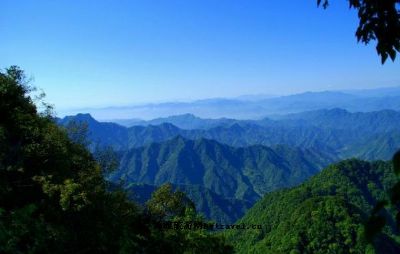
378 20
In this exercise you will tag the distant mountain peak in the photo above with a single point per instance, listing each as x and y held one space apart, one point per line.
81 117
84 116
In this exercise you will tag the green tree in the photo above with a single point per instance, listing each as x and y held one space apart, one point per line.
180 225
165 203
377 220
53 196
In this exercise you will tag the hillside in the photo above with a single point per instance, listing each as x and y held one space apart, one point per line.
323 215
242 173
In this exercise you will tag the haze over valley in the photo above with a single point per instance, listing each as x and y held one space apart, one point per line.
200 127
251 106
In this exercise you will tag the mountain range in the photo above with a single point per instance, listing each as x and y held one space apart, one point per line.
256 107
244 173
223 181
336 132
226 165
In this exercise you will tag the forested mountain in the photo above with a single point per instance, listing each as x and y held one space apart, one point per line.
242 173
235 162
336 132
326 214
105 133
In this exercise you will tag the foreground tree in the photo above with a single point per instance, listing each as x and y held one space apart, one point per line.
174 216
53 197
378 20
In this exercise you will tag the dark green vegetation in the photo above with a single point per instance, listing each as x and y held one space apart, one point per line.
54 199
377 220
326 214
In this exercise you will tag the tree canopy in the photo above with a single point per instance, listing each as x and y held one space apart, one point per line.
54 198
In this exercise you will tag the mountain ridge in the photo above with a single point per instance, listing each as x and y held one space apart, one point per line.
338 132
242 173
255 109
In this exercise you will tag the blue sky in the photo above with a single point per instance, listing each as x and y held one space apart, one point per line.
103 53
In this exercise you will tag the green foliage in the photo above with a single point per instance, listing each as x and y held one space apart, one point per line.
107 158
53 196
166 203
172 206
326 214
380 21
17 227
377 221
208 203
78 132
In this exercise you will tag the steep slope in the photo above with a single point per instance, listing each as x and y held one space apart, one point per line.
242 173
325 214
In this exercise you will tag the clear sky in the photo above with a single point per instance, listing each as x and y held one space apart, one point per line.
102 53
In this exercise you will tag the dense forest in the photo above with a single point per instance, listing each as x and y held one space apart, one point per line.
57 197
326 214
317 171
54 199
